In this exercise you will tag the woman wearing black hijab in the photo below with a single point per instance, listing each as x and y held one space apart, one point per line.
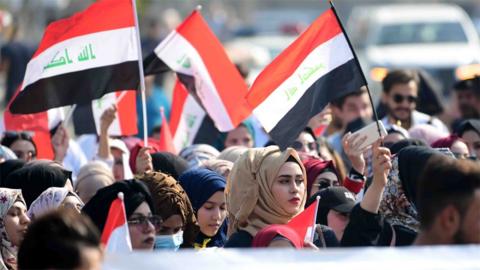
169 163
396 222
34 178
9 166
138 207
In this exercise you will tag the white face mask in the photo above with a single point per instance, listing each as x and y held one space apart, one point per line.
172 241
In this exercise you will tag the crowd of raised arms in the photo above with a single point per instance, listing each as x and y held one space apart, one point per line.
418 185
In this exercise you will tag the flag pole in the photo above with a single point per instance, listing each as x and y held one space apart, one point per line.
358 65
142 76
317 200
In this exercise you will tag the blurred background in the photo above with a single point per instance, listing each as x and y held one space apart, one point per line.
440 38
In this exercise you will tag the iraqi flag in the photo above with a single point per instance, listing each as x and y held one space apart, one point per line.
115 235
305 222
81 58
189 123
202 65
86 118
318 67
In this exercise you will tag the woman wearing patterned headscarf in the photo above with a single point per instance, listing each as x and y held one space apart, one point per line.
267 186
13 225
53 198
172 204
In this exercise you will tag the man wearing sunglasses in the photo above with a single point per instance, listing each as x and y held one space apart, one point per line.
400 95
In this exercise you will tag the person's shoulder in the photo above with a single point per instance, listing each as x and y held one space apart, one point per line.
240 239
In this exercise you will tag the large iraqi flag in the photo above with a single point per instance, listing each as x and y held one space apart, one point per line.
202 65
81 58
318 67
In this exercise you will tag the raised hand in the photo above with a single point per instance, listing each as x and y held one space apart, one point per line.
352 147
143 162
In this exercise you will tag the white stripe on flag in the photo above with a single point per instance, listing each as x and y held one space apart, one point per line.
189 123
99 106
319 62
55 116
84 52
119 240
183 58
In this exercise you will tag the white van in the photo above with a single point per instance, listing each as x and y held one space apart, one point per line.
439 38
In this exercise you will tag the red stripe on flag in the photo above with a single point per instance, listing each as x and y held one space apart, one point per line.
229 83
305 219
180 95
166 140
127 112
117 217
100 16
24 122
44 146
324 28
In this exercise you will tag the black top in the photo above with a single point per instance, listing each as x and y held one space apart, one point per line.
240 239
369 229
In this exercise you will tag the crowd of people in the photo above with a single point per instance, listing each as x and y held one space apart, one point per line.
418 185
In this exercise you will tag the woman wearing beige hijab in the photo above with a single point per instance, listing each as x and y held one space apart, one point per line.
266 186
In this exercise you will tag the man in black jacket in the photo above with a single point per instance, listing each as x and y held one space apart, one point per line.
449 202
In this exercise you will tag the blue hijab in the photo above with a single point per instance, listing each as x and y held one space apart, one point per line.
200 185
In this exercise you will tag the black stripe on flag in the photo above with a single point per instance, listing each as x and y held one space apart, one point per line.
154 65
83 121
341 81
80 87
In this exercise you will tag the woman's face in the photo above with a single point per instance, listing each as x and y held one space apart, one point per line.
323 180
239 136
23 149
337 221
288 188
171 225
212 214
72 202
16 222
142 234
460 150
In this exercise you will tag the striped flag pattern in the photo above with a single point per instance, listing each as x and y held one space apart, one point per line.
318 67
81 58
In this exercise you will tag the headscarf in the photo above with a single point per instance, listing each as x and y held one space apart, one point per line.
232 153
7 153
396 147
34 178
169 163
92 173
265 236
49 200
466 125
8 250
197 154
120 145
315 167
222 167
200 185
134 194
398 203
446 142
170 199
426 133
7 167
250 203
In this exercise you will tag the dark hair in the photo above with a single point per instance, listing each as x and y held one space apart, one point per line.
341 100
446 181
400 76
9 137
56 241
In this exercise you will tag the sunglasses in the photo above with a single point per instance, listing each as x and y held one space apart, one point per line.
142 221
399 98
297 145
